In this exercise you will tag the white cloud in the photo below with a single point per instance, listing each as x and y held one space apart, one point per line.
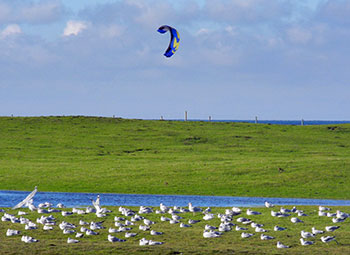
74 27
12 29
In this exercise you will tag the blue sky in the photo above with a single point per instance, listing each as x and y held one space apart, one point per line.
237 59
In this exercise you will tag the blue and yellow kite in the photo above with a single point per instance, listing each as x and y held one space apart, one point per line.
174 40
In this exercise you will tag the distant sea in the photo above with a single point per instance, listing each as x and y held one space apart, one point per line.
281 122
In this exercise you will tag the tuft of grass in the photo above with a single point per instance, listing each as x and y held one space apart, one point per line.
95 154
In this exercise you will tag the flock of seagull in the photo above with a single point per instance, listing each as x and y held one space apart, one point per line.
130 218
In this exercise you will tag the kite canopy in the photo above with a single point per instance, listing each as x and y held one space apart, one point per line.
174 39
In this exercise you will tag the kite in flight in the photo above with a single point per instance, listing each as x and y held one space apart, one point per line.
174 39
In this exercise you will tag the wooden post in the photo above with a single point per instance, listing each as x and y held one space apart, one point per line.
185 115
256 120
302 122
209 118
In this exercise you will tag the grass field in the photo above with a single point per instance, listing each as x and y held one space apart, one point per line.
94 154
180 240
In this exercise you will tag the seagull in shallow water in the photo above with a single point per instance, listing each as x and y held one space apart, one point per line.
27 199
269 205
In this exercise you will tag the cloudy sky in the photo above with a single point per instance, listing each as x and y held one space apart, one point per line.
237 59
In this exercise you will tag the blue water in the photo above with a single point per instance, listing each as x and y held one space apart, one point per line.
11 198
281 122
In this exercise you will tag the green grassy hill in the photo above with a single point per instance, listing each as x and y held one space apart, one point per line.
92 154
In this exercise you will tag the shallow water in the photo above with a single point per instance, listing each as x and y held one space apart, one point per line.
11 198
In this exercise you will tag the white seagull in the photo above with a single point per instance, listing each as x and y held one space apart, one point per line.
305 234
331 228
114 239
143 241
246 235
155 233
211 234
12 232
296 220
269 205
193 209
251 212
27 199
304 242
266 237
316 232
277 228
282 246
327 239
71 240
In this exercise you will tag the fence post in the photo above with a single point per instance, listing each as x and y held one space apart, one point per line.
185 115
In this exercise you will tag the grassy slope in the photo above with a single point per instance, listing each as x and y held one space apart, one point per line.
88 154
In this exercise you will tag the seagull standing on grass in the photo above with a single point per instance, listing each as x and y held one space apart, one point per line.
246 235
296 220
304 243
316 232
305 234
193 209
331 228
266 237
71 240
277 228
282 246
327 239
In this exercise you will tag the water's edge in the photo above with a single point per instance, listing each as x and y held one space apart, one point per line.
11 198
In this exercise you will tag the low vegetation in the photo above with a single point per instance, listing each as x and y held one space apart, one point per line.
94 154
180 240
